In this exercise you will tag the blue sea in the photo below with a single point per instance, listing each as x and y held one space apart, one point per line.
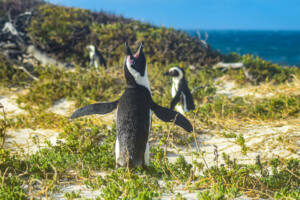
282 47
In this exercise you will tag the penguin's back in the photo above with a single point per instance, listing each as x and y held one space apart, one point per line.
133 125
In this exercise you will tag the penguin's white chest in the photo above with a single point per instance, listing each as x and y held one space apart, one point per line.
92 54
175 85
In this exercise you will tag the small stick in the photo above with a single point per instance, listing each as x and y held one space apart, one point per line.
165 154
27 72
4 125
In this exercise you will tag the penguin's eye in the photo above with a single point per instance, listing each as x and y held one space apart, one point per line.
174 73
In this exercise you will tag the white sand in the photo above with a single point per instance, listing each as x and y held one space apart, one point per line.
63 107
261 140
25 139
84 192
10 106
229 89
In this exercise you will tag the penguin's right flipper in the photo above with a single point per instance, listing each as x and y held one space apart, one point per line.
97 108
168 115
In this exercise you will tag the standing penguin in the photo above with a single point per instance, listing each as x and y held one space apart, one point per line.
180 91
96 58
134 113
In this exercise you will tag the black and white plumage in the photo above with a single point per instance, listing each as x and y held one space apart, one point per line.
134 113
96 58
180 91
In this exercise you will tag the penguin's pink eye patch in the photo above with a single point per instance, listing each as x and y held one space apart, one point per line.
131 61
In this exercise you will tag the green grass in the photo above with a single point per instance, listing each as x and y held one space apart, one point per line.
11 188
222 107
261 70
11 77
81 86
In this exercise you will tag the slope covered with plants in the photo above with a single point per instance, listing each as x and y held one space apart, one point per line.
64 32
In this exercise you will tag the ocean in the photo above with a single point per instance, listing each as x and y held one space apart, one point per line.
282 47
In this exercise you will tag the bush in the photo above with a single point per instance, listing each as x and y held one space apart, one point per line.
266 71
18 6
9 76
60 30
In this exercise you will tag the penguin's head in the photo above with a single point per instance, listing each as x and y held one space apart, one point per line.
175 72
91 48
136 62
135 66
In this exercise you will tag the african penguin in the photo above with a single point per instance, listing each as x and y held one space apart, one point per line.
180 91
96 58
134 113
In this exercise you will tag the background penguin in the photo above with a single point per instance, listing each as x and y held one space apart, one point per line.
96 58
180 91
134 113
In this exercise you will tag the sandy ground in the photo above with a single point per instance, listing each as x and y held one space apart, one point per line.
10 105
84 192
264 138
63 107
261 140
228 87
29 140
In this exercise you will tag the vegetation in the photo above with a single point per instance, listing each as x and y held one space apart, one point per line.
262 70
232 179
274 108
9 76
59 29
45 170
64 32
55 84
17 6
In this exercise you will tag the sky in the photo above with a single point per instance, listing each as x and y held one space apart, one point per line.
202 14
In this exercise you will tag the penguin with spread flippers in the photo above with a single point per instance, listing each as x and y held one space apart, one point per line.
96 58
134 113
180 91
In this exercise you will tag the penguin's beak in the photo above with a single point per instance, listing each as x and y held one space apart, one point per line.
140 50
128 51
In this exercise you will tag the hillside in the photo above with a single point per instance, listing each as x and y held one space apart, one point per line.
65 32
245 143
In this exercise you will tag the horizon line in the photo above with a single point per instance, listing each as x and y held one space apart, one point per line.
221 29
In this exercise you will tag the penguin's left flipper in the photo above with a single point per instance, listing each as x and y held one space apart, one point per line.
97 108
175 100
168 115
